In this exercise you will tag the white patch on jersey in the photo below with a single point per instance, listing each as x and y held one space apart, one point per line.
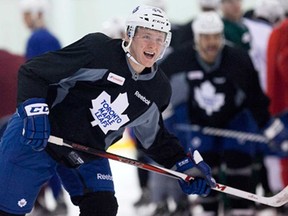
208 99
246 37
219 80
22 203
196 142
193 75
116 79
109 115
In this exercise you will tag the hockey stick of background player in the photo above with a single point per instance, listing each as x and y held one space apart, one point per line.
245 136
275 201
240 135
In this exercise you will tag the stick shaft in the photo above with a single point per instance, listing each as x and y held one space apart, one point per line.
132 162
246 136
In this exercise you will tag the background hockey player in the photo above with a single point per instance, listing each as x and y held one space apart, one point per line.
221 89
88 93
41 40
235 30
277 57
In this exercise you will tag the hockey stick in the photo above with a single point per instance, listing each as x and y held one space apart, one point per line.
223 133
275 201
240 135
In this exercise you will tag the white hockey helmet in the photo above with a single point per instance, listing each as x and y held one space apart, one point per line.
157 3
148 17
209 3
208 22
34 6
271 10
284 4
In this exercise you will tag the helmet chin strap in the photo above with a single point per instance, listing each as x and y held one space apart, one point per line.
127 52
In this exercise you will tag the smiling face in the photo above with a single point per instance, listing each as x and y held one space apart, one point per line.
147 45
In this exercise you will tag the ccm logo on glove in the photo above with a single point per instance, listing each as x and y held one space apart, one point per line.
37 109
36 127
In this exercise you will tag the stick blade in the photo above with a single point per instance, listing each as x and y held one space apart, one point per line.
279 199
275 201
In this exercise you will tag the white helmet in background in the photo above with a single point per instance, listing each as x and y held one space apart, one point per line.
147 17
284 4
270 10
208 22
114 28
34 6
157 3
209 3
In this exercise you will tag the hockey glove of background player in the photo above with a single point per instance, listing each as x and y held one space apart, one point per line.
36 128
193 165
277 134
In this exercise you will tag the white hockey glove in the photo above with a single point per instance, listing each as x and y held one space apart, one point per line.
277 135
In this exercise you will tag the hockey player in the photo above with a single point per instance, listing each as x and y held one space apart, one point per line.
41 40
277 58
235 31
221 89
88 93
267 14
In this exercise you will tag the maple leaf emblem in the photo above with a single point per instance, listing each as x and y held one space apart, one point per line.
22 203
107 115
208 99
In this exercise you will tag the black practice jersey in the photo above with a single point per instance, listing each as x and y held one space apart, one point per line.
93 94
215 94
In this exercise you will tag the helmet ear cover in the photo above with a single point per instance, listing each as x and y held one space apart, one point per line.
131 30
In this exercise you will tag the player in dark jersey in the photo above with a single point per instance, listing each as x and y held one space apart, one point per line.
88 93
220 87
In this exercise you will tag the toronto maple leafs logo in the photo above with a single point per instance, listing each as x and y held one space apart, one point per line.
107 115
208 99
